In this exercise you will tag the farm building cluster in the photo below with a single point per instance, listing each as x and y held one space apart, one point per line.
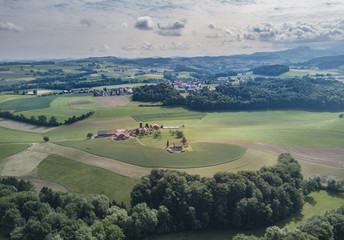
123 134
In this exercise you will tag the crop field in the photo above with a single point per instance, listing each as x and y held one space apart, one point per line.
19 105
317 203
4 98
62 107
112 101
15 136
132 152
81 178
7 150
26 127
84 102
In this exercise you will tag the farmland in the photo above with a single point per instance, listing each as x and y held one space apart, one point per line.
228 141
10 149
81 178
208 153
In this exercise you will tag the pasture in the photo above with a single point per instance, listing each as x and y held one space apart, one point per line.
85 179
130 151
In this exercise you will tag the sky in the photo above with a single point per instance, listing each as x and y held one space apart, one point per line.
52 29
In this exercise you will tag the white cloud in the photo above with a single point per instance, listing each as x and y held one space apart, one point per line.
172 29
144 23
10 27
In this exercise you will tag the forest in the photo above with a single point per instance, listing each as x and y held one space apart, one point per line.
271 70
272 93
161 92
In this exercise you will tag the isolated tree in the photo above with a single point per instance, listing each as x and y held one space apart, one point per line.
147 125
180 134
46 139
184 140
34 92
341 115
89 135
167 143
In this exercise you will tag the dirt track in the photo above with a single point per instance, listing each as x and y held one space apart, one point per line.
112 101
330 157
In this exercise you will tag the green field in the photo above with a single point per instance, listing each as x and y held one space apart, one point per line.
317 203
81 178
130 151
31 103
14 136
7 150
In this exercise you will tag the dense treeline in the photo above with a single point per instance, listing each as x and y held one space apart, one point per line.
42 120
271 70
307 93
53 83
162 92
327 227
228 200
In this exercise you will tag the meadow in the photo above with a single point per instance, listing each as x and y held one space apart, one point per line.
130 151
85 179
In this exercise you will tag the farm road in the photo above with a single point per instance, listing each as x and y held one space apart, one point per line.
329 157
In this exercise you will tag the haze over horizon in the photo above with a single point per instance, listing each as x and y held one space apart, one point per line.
37 29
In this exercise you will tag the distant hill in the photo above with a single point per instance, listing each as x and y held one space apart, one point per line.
219 64
329 62
206 65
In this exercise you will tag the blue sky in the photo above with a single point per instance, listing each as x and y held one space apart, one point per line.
32 29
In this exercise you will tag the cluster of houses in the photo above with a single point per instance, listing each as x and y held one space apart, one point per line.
186 87
113 91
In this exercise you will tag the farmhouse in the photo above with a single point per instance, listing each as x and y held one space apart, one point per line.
178 146
118 134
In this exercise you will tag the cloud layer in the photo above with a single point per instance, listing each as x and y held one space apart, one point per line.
132 28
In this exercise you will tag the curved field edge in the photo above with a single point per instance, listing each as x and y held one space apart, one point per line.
317 203
85 179
130 151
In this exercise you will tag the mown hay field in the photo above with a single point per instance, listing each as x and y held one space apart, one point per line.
130 151
85 179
